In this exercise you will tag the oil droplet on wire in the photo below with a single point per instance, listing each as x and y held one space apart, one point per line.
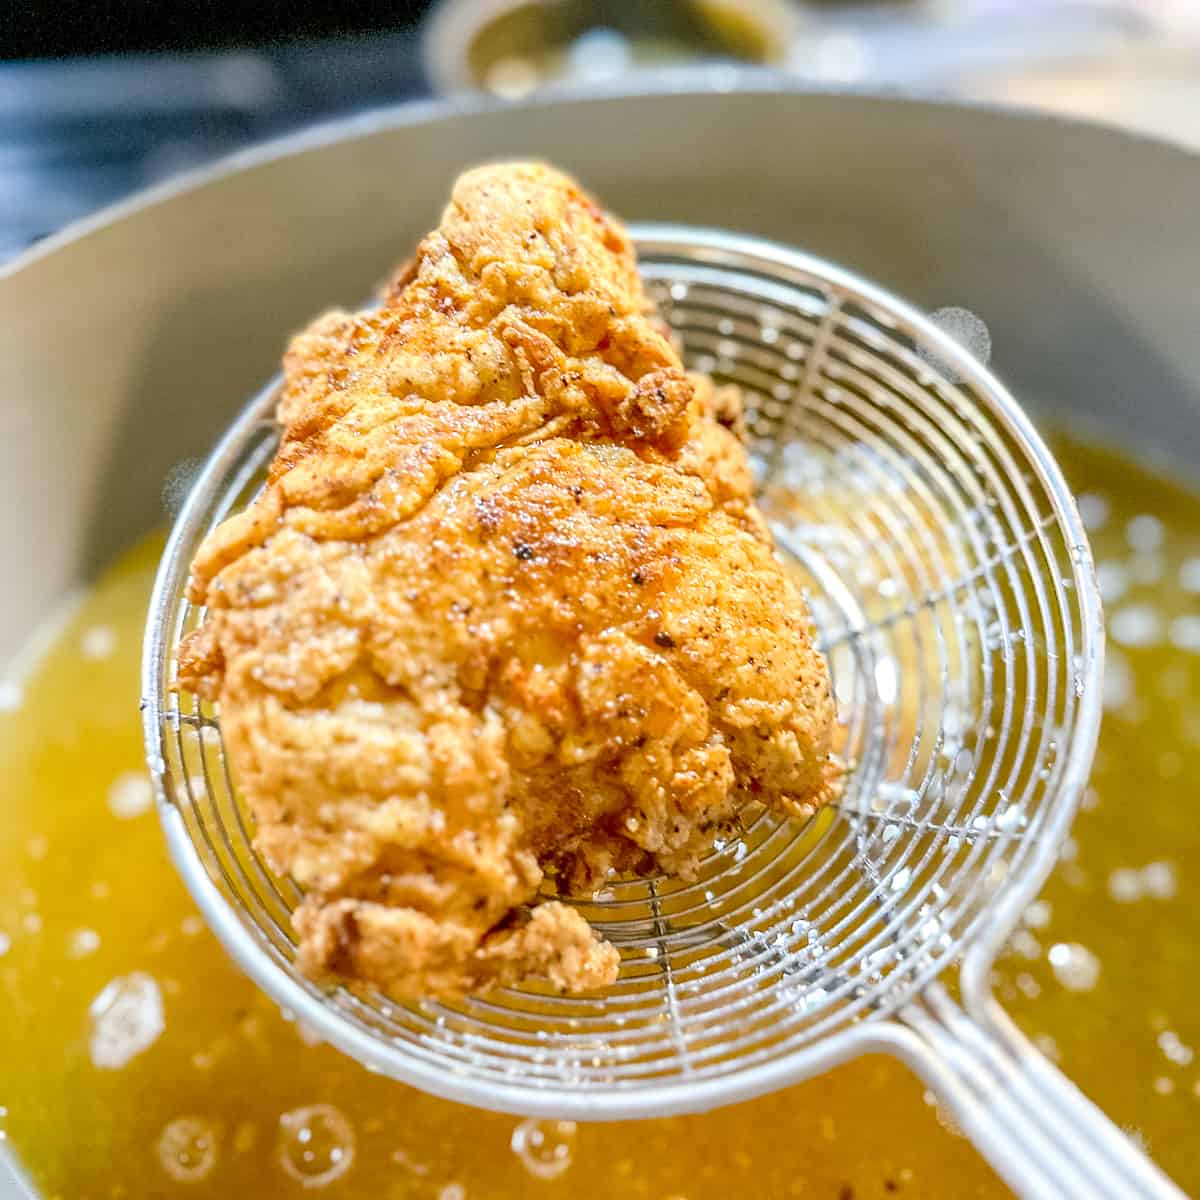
545 1148
316 1144
944 1117
187 1149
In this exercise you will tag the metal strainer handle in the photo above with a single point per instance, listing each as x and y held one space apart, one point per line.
954 594
1039 1132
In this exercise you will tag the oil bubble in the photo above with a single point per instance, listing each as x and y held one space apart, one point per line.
98 642
967 329
545 1148
1137 625
127 1018
1145 533
187 1149
82 942
1113 578
1125 885
1074 966
1185 633
315 1145
1159 880
1170 1043
130 795
1094 510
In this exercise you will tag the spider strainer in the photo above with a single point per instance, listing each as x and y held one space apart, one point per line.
953 590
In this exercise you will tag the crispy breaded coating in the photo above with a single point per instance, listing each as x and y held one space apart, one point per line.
504 615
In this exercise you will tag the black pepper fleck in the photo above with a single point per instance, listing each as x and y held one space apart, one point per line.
664 639
523 552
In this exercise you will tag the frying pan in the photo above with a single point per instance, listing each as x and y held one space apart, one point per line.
127 342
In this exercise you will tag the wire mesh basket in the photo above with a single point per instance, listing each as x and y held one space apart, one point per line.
952 589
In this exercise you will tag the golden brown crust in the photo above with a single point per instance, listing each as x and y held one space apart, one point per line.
504 609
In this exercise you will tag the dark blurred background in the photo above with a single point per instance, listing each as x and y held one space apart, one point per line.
100 99
41 30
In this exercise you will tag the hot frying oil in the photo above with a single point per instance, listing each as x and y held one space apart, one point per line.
138 1062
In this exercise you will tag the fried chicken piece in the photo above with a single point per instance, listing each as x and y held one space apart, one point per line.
504 611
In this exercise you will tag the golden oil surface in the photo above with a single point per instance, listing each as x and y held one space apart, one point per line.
138 1061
